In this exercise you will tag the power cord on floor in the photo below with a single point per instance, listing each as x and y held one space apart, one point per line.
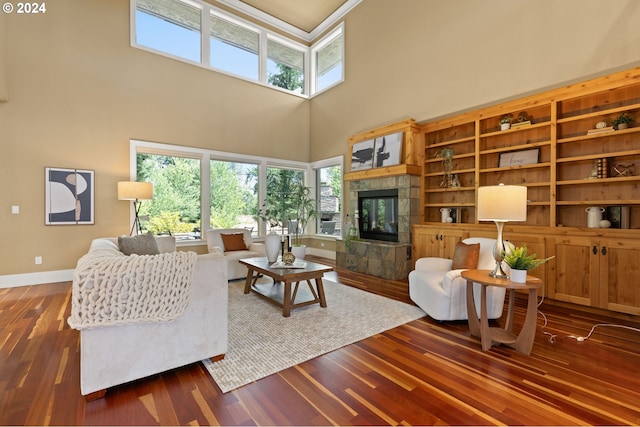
578 338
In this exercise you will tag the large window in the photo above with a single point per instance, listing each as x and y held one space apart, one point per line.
175 208
328 178
278 210
234 195
229 44
197 189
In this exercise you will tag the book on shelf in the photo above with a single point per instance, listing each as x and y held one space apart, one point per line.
601 130
520 124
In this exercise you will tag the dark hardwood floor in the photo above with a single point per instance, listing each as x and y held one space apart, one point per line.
423 372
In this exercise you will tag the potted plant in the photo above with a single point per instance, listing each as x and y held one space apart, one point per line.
622 121
520 262
505 121
303 210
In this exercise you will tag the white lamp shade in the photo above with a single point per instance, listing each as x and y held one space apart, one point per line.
132 190
502 203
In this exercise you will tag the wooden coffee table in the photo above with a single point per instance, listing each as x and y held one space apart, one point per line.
523 342
286 298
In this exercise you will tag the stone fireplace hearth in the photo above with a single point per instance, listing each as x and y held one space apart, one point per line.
389 260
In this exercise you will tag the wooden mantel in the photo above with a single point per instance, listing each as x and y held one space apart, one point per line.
411 157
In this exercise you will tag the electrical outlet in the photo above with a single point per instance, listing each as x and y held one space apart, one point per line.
15 209
38 260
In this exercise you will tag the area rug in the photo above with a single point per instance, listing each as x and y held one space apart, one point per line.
263 342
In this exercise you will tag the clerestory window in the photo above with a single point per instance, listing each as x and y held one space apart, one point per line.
197 32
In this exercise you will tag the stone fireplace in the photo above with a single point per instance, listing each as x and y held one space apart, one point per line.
389 260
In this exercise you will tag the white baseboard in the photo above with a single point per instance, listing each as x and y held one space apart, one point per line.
15 280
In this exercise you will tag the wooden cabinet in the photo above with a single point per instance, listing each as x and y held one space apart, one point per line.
581 145
435 241
596 272
554 151
452 186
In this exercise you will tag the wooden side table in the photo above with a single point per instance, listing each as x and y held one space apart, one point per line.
523 342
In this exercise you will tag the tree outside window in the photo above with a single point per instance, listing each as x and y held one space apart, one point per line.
175 208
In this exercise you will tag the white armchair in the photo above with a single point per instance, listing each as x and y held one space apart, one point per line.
215 244
442 292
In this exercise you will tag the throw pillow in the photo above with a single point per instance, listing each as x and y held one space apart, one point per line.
142 244
233 242
466 256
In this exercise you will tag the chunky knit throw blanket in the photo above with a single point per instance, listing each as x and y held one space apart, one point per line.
110 288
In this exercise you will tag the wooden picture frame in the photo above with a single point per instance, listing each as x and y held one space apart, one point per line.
519 158
69 196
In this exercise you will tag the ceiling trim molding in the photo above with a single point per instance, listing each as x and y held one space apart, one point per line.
288 28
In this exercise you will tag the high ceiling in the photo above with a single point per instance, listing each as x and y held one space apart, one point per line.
303 14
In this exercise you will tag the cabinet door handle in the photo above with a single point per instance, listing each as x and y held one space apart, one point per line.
604 250
595 250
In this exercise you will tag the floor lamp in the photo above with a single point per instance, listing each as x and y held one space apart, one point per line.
136 191
501 204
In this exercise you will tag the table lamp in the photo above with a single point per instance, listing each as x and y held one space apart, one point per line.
501 204
136 191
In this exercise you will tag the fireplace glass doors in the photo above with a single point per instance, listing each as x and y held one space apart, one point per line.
378 210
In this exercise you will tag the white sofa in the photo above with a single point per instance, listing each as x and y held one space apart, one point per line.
442 292
116 354
215 244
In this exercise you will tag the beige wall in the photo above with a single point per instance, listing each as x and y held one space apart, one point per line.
79 92
424 59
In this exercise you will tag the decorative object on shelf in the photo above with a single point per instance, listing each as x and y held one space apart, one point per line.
618 216
445 215
455 182
520 262
620 169
505 121
288 258
501 204
136 191
594 216
447 166
605 223
272 246
519 158
69 196
601 127
594 171
523 119
622 121
602 167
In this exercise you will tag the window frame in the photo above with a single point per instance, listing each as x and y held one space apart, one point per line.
313 54
207 10
315 184
205 156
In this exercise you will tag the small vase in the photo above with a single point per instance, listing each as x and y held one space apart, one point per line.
272 246
518 276
621 126
299 251
505 126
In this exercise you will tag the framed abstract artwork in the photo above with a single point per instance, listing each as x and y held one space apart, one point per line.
69 196
388 149
362 155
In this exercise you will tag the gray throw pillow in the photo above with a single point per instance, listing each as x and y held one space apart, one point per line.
142 244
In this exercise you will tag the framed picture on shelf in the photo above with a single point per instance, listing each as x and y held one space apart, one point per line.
519 158
69 196
362 155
